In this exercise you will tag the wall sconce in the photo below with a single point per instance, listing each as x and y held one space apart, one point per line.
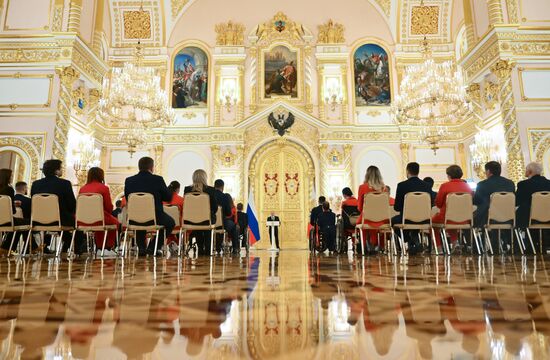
333 92
228 93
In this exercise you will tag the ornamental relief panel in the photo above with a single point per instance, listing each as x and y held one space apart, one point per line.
32 146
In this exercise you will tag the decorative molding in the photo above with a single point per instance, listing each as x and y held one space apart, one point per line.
177 6
229 34
490 95
32 145
331 33
137 24
425 20
67 77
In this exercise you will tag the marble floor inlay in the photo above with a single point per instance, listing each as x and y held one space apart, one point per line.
285 306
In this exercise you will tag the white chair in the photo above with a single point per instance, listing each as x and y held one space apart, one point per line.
459 215
417 215
218 226
45 217
539 218
502 216
196 216
90 217
376 208
141 217
6 220
174 212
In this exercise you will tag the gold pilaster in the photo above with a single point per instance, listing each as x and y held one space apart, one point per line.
75 11
515 164
323 184
469 23
98 27
159 151
67 76
495 12
474 93
404 156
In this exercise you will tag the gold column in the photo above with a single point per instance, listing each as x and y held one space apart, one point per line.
347 163
242 171
57 20
215 151
404 157
462 159
159 151
323 170
474 93
495 12
75 11
67 77
469 24
98 26
515 164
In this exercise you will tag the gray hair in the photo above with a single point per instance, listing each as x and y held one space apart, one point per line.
534 168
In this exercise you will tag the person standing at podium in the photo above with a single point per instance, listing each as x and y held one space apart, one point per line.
275 231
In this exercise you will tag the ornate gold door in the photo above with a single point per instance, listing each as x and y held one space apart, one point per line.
282 186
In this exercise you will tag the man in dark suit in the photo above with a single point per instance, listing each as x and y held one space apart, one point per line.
535 182
224 200
327 226
242 220
145 181
52 183
412 184
21 191
316 211
494 183
430 181
273 217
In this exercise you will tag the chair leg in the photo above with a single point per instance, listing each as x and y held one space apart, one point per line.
26 244
521 244
103 245
393 244
445 241
179 243
402 241
123 248
156 242
71 247
361 236
474 233
432 232
212 243
531 241
488 241
540 240
12 241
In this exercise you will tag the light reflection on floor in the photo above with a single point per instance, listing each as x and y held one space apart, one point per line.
289 306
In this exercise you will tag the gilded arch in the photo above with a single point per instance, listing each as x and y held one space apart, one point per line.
31 146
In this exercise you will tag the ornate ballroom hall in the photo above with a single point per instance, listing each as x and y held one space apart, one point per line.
285 101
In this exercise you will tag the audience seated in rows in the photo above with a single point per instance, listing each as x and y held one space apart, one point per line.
535 182
225 201
430 181
327 226
176 200
316 211
6 189
494 183
21 198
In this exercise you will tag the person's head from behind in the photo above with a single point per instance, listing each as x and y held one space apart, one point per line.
347 193
96 174
219 184
174 187
52 167
200 180
430 181
373 178
533 169
493 168
21 187
5 178
326 206
413 169
240 207
118 203
146 164
322 200
454 172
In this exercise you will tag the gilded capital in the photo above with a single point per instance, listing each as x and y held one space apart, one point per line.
502 69
93 97
474 92
68 75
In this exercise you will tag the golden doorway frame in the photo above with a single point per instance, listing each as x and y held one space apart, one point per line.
293 231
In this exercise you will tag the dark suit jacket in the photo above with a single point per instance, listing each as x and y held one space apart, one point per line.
64 191
482 196
213 202
153 184
242 219
412 184
315 214
526 188
224 200
273 218
25 205
326 220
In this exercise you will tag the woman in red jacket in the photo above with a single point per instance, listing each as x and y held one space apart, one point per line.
96 185
177 200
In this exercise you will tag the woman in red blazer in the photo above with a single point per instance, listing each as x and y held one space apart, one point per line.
177 200
96 185
454 185
373 182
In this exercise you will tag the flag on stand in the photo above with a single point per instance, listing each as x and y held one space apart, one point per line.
253 225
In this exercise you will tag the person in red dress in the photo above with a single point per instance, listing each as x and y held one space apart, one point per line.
373 183
177 200
95 184
454 185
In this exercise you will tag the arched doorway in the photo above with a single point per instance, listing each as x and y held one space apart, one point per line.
282 175
12 158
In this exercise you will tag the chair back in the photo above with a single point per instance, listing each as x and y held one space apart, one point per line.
196 208
141 209
219 218
89 209
376 207
540 207
502 208
45 210
459 208
417 207
6 211
174 212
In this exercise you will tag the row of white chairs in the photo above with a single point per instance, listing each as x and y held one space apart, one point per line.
459 215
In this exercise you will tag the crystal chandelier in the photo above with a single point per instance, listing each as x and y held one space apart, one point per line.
485 148
134 101
86 157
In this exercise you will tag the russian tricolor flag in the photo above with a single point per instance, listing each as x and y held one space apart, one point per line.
253 226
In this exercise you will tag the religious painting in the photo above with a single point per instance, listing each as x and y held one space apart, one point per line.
280 72
372 76
190 79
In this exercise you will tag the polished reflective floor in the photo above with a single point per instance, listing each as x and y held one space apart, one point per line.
287 306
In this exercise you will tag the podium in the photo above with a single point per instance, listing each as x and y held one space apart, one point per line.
272 225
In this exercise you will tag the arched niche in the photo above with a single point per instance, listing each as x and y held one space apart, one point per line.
182 164
384 159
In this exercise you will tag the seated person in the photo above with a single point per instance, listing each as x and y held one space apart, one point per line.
177 200
6 189
21 191
327 226
96 184
430 181
494 183
145 181
118 209
350 209
316 211
242 220
225 201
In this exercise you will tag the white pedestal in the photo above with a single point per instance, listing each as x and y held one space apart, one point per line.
272 225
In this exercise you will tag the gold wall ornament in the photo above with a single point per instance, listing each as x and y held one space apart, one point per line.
515 163
335 157
385 5
425 20
512 7
228 158
331 33
137 24
177 6
229 34
490 95
280 27
57 22
67 76
31 145
79 98
495 12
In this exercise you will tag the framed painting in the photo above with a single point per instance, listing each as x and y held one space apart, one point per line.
280 72
371 72
190 78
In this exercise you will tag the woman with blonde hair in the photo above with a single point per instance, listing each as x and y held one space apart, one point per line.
200 185
373 183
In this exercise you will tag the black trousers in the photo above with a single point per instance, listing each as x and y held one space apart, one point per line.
329 234
231 228
162 219
203 241
276 236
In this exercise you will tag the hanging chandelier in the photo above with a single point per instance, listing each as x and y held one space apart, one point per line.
134 101
86 156
486 147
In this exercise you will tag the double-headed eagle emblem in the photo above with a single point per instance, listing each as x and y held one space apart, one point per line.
280 123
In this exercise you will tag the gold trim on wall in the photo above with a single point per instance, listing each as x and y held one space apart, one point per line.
43 28
18 75
521 70
524 19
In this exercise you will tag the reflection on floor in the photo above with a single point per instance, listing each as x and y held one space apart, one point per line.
289 306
